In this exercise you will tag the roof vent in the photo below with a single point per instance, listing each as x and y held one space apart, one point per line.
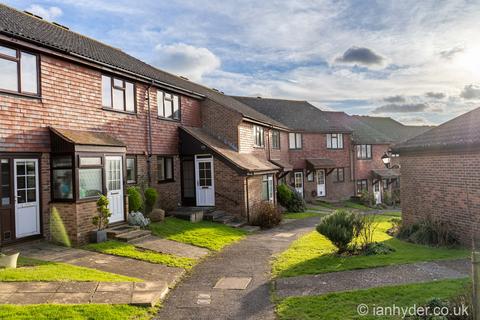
61 25
258 97
33 15
184 78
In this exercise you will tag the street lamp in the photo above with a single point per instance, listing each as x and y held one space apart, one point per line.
386 160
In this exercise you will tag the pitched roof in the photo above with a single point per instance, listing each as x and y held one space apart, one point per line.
89 138
362 132
295 114
244 161
460 132
23 26
395 130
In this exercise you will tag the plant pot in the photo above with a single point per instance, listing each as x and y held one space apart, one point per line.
98 236
9 261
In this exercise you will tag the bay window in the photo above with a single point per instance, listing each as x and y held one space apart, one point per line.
90 177
19 71
62 177
118 94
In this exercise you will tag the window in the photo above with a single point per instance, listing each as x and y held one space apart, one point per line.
5 182
62 177
165 168
295 140
131 163
258 136
362 185
267 187
275 139
334 140
118 94
364 151
338 175
18 71
90 177
311 176
168 105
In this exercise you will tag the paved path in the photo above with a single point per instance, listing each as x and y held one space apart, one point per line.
371 278
196 297
171 247
140 293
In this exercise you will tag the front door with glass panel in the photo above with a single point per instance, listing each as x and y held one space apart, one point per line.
114 182
27 199
205 186
298 180
321 183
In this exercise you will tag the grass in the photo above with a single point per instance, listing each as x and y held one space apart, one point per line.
348 204
123 249
343 305
37 270
353 205
76 312
314 254
303 215
210 235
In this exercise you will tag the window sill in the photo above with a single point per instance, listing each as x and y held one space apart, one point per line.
366 159
20 95
168 119
119 111
296 149
259 147
335 149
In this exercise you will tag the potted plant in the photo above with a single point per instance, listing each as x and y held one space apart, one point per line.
101 220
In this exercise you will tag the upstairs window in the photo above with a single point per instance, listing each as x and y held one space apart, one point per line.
364 151
335 141
168 105
275 139
18 71
258 136
118 94
295 140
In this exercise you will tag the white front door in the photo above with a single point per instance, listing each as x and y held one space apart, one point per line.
377 193
204 180
298 175
321 183
27 199
114 181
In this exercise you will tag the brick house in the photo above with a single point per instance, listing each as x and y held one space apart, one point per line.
440 177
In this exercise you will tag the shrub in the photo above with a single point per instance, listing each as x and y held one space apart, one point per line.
101 219
367 198
396 226
367 230
151 196
396 197
290 199
339 228
429 232
266 215
135 201
377 248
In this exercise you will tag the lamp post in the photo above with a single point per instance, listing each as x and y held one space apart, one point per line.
386 160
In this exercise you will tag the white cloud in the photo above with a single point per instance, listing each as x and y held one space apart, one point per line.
186 60
47 13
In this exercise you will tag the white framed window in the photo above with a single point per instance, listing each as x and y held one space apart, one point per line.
295 140
258 136
334 140
311 176
131 164
364 151
267 187
338 175
165 169
168 105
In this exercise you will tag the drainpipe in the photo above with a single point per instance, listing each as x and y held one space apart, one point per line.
248 201
149 136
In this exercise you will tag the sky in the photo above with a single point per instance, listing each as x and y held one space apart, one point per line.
415 61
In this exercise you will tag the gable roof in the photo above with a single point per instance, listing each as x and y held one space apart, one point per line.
295 114
395 130
460 132
17 24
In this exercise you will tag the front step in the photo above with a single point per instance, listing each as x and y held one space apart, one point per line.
215 215
133 235
119 230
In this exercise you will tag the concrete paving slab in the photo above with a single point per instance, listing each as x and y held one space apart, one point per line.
77 287
48 287
70 298
284 235
112 297
171 247
204 302
4 297
150 286
115 287
28 298
146 299
9 287
232 283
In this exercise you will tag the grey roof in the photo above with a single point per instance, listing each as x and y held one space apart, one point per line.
395 130
460 132
295 114
23 26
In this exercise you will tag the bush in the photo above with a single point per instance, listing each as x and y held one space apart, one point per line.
367 198
339 228
103 213
395 197
290 199
135 201
266 215
394 231
377 248
151 196
428 232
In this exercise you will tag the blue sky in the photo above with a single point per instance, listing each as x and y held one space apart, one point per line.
416 61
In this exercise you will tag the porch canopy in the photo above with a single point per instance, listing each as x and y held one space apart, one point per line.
320 163
198 141
68 140
386 173
284 165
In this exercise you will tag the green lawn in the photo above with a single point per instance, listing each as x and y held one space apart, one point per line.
343 305
210 235
76 312
37 270
302 215
321 205
123 249
314 254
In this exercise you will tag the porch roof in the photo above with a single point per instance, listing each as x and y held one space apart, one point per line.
320 163
77 140
285 165
386 173
246 162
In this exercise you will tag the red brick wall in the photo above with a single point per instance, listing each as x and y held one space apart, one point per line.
221 122
334 190
229 189
363 168
436 184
